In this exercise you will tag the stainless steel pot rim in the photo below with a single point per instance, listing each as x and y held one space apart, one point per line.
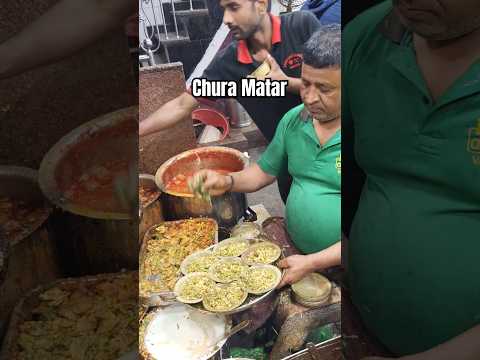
166 164
31 175
22 171
151 178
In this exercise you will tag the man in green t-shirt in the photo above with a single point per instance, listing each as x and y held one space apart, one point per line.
411 103
307 142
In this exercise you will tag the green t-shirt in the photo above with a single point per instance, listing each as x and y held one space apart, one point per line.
414 247
313 204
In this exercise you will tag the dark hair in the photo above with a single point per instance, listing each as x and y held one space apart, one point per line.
324 47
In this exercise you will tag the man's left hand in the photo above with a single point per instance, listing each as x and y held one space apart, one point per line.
297 267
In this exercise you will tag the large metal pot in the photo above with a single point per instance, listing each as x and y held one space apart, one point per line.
32 257
150 213
226 209
94 238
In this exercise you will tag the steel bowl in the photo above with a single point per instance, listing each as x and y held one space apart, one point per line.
109 137
29 259
151 212
226 209
93 237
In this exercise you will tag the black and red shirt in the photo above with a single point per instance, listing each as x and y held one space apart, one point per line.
234 62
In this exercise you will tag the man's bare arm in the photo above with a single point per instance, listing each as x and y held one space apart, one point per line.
64 29
169 114
299 266
251 179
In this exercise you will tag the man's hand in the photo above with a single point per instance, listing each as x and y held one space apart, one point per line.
212 182
276 72
297 267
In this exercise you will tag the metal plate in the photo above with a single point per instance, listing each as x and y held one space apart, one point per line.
165 297
24 309
182 333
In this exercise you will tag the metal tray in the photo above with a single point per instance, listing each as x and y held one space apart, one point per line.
23 310
251 300
165 297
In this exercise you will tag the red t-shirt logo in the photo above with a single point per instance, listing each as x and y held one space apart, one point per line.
293 61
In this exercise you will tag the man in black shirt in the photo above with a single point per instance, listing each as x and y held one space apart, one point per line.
259 36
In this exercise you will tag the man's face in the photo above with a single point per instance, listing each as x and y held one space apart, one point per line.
439 19
321 92
243 17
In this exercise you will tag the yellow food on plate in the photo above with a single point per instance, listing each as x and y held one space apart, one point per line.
224 297
90 319
232 247
227 270
262 253
262 278
198 262
192 288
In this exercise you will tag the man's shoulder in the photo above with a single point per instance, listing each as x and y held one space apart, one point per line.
365 25
297 19
229 52
293 117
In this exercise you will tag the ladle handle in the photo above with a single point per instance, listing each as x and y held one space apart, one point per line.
234 330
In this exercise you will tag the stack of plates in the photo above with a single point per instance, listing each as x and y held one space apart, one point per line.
312 291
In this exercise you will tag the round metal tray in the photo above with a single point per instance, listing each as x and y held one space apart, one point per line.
248 303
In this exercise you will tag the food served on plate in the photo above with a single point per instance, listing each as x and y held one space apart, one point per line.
192 287
146 195
167 246
200 261
231 247
228 269
262 253
262 278
84 320
224 297
20 218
